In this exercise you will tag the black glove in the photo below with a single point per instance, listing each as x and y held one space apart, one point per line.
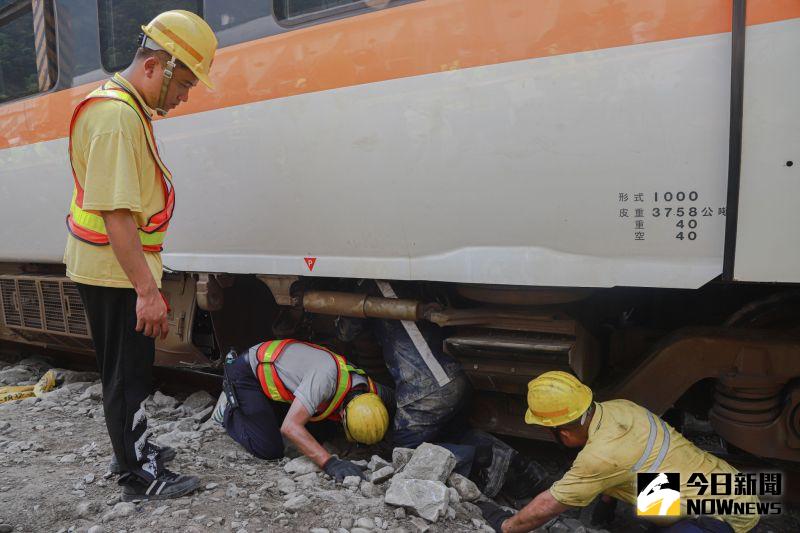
339 469
494 515
604 510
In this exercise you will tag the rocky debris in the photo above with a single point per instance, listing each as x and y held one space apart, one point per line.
379 476
423 497
466 488
401 457
296 503
351 481
86 509
18 375
286 485
239 493
419 525
93 392
179 439
300 465
164 401
197 401
120 510
429 462
376 462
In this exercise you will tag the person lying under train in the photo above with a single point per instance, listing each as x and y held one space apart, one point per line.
433 392
618 440
317 384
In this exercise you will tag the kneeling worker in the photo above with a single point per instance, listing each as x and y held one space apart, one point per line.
318 384
618 439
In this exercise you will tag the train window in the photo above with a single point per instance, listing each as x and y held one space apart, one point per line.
240 21
120 26
297 12
26 28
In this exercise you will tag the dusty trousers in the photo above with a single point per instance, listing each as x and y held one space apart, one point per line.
125 360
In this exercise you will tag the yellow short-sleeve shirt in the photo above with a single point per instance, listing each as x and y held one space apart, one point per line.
618 436
116 170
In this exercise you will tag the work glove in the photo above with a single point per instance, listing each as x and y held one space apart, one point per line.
494 515
339 469
604 510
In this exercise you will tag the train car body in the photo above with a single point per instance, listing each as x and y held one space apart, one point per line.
536 160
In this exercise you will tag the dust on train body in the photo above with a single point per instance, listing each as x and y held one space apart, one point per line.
550 178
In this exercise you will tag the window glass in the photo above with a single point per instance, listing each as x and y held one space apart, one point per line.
223 15
18 73
289 9
121 22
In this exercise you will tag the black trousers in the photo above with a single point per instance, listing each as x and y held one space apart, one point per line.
125 360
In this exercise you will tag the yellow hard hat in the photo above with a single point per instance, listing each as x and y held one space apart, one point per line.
365 419
188 38
556 398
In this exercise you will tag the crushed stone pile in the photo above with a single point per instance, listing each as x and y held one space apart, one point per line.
54 454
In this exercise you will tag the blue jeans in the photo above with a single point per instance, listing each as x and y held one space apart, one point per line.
438 418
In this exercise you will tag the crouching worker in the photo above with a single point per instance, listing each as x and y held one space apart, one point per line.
433 395
317 384
618 439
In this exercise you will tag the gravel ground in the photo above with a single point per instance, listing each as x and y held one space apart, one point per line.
54 453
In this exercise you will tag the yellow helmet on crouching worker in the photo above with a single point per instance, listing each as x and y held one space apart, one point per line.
556 398
188 39
365 419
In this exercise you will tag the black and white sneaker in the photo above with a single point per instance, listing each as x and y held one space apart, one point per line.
166 454
166 486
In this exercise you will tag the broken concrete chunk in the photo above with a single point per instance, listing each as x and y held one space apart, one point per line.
377 462
300 465
419 526
383 474
94 392
401 457
197 401
351 481
425 498
286 485
297 503
429 462
365 522
307 479
164 401
467 490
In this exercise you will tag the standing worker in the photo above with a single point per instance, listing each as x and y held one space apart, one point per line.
317 384
121 207
618 439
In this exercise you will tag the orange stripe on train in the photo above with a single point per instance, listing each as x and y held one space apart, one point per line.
411 40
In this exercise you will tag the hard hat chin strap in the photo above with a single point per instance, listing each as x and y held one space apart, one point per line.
167 78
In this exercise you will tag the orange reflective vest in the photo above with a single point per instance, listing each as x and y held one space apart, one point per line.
269 352
88 226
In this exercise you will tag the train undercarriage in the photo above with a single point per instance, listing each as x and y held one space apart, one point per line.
726 353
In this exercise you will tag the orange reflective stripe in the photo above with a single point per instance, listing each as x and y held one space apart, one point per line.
183 44
551 414
267 354
343 386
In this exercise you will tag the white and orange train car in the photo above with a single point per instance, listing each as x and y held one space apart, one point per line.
604 186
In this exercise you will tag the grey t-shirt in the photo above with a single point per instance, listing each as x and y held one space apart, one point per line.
307 372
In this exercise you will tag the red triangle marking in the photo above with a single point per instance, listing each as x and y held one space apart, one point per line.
310 261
